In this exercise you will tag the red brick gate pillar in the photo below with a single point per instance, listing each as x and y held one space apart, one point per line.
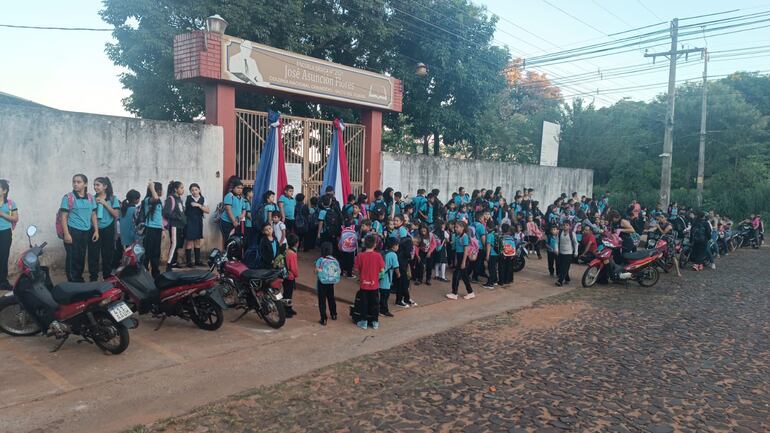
220 110
372 120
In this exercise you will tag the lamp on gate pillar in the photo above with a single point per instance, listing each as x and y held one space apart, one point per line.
422 70
216 24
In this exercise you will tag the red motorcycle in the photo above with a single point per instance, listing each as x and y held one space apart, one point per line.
246 289
187 295
93 311
637 266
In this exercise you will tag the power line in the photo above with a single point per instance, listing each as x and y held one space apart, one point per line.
611 13
641 3
78 29
573 16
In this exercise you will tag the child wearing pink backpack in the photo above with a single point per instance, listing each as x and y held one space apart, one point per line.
347 246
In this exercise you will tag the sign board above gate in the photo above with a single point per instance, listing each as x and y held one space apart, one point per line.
271 68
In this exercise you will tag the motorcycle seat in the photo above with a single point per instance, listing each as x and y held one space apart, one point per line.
643 254
261 274
172 279
67 293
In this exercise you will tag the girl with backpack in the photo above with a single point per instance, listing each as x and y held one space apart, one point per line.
232 216
173 211
126 218
107 211
152 215
348 245
427 249
78 227
492 253
507 248
440 254
9 216
461 248
327 271
194 209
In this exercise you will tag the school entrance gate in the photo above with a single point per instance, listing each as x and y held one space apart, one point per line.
306 146
223 64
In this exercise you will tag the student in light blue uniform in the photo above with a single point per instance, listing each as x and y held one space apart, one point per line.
126 218
9 216
79 226
287 204
153 227
233 213
107 211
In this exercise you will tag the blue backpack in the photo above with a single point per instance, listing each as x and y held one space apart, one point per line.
329 271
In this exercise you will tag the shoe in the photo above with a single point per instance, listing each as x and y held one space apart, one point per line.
444 280
387 314
714 266
558 283
451 296
199 264
169 267
496 284
470 295
190 265
488 286
375 325
417 283
551 274
362 324
411 303
427 283
402 304
334 317
322 322
290 312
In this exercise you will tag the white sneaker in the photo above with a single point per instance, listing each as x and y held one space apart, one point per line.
714 266
451 296
470 295
412 303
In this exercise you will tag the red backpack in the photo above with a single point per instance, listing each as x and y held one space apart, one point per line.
70 205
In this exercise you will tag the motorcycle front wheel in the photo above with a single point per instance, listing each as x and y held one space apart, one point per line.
590 277
648 277
109 335
518 263
15 321
272 312
207 315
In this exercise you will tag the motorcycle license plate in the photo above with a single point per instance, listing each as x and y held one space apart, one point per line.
120 311
278 296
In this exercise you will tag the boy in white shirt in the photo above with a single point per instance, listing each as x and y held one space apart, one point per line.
279 228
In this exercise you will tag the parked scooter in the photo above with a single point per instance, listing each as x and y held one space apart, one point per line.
638 265
188 295
257 290
93 311
520 259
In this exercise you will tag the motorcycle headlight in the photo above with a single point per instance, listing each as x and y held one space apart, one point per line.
30 259
138 250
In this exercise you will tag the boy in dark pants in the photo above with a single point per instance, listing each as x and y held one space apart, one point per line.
552 246
567 249
369 265
403 299
326 290
492 255
391 274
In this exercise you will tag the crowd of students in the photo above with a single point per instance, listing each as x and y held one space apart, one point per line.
391 242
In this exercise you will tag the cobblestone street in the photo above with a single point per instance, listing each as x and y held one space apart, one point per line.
690 354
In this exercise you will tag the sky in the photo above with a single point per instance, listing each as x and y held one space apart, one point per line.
69 70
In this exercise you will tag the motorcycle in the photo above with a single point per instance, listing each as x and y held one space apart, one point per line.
257 290
638 265
93 311
520 259
744 237
187 295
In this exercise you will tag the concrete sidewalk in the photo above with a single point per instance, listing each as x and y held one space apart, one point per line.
178 367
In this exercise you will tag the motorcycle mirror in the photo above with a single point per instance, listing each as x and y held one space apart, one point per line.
31 230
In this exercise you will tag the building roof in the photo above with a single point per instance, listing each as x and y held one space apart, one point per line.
8 99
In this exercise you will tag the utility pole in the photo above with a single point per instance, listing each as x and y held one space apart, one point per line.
668 136
703 113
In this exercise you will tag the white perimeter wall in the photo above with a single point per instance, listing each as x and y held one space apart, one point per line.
40 150
448 174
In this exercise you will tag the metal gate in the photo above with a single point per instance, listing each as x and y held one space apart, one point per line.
306 142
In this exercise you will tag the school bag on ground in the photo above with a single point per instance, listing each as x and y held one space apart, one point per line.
329 271
348 240
333 222
70 205
355 309
473 249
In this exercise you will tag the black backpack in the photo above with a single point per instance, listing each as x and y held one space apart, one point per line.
380 207
333 222
302 218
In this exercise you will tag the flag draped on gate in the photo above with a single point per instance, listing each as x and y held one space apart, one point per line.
271 172
336 174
